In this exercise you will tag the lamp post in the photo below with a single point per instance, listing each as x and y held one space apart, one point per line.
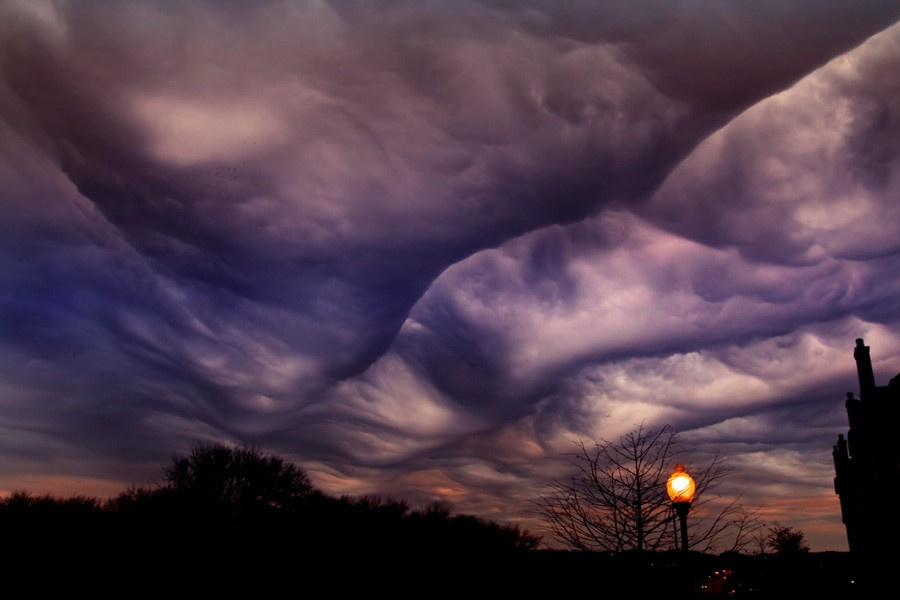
681 489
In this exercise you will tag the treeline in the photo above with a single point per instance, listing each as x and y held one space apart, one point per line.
225 516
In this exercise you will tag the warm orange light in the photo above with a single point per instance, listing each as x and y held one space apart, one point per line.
680 486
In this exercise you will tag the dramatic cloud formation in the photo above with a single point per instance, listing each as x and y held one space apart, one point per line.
421 247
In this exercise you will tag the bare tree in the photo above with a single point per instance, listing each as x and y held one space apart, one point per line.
616 499
747 529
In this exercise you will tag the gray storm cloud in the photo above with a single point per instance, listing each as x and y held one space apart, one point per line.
419 247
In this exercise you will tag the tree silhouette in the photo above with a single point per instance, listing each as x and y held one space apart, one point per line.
232 520
786 541
616 499
235 481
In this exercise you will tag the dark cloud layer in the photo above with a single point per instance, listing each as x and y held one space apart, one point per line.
421 247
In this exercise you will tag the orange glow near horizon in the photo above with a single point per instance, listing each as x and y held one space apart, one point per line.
63 485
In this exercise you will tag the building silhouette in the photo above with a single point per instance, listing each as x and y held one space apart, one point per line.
867 465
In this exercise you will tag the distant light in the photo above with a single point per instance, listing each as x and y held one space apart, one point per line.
681 487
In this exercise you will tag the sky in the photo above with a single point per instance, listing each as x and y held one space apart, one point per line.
423 248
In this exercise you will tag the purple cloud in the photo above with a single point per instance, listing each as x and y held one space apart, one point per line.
421 249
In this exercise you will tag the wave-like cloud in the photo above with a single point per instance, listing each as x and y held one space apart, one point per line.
422 248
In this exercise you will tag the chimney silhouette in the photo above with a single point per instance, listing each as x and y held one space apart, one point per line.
864 369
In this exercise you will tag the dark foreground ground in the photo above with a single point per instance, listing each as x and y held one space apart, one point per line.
361 549
282 569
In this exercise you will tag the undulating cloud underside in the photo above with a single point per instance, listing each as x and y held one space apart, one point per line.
422 247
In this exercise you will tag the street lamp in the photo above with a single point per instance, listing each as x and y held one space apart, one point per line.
681 489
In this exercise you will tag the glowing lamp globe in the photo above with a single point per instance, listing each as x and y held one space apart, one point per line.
680 486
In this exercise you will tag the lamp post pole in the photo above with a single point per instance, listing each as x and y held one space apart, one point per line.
681 509
681 488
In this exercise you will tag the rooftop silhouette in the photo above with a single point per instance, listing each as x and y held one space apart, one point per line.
867 465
